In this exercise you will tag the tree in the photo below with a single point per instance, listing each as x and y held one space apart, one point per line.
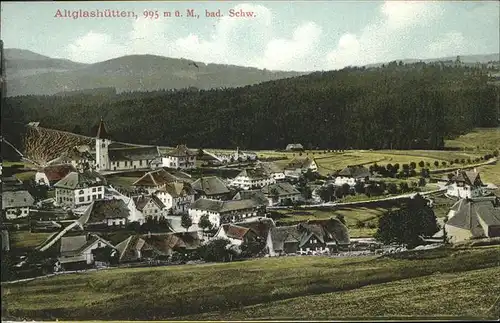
421 182
217 250
404 187
205 223
413 165
443 163
339 193
421 164
407 225
436 163
359 187
341 218
326 193
392 188
186 221
251 248
346 189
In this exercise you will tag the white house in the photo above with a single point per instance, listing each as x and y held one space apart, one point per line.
51 174
299 166
236 156
236 234
294 147
80 188
280 193
176 196
16 204
180 158
75 249
155 180
273 170
351 175
150 206
221 212
465 184
117 156
252 178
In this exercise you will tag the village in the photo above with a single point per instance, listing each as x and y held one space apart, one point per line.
175 206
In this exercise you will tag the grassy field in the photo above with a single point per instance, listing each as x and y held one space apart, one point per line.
434 283
483 138
26 239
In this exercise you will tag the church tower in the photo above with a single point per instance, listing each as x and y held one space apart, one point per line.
102 142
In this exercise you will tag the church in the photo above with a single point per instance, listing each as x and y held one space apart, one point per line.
114 156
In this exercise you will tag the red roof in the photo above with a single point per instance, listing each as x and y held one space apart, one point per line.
58 172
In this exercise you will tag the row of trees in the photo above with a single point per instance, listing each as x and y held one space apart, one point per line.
350 108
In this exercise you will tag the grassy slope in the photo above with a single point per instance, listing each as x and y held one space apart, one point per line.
27 239
174 292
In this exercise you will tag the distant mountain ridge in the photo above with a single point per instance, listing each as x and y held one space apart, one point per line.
30 73
467 59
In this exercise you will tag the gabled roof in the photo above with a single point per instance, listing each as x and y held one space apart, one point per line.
211 185
161 177
254 173
355 172
130 247
133 153
301 163
177 189
255 195
469 213
16 199
57 172
100 210
75 245
261 226
75 180
233 231
471 178
102 133
141 201
223 206
280 189
285 234
181 151
333 229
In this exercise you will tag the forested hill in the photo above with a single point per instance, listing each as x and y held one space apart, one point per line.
399 106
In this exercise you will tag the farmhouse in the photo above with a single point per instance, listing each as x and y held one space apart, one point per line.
16 204
116 156
167 244
154 180
351 175
180 158
280 193
474 218
255 195
221 212
134 248
80 188
272 170
294 147
465 184
252 178
176 196
299 166
317 235
107 213
236 234
78 249
149 205
50 175
210 187
78 156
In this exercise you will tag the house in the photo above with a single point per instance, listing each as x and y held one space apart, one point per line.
351 175
299 166
281 193
474 218
180 158
313 236
149 205
252 178
294 147
465 184
224 158
210 187
78 249
273 170
80 188
221 212
177 196
78 156
256 195
154 180
236 234
51 174
134 248
16 204
261 227
106 213
116 156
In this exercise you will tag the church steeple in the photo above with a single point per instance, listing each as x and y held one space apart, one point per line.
102 133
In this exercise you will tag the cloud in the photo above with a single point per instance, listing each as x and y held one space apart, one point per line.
386 38
94 47
450 44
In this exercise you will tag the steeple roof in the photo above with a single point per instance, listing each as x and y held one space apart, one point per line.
102 133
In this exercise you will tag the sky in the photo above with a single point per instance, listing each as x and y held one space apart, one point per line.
282 35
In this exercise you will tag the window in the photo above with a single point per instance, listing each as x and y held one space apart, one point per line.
81 192
82 199
103 145
88 198
99 196
93 189
140 162
99 189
